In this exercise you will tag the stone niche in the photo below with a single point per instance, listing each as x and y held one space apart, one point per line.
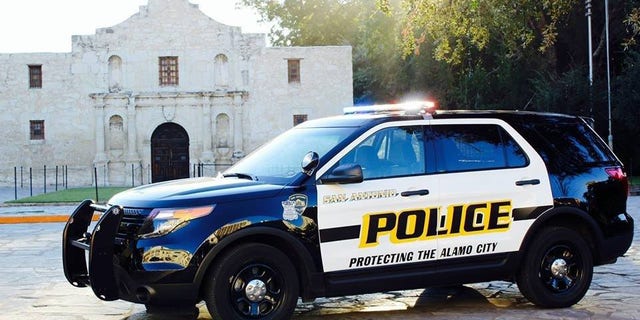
223 136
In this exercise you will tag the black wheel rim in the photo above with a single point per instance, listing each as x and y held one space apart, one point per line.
561 268
256 306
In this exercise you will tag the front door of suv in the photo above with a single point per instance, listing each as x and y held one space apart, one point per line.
489 177
383 220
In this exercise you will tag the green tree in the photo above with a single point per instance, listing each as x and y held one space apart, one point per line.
477 54
460 30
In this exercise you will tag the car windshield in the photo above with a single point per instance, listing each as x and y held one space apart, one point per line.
279 161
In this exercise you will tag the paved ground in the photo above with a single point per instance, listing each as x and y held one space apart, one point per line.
32 286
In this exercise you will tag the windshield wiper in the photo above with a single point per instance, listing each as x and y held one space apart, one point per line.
240 176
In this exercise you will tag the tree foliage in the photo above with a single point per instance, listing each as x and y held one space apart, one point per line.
478 54
457 29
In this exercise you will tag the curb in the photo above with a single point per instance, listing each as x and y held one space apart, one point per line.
38 219
38 204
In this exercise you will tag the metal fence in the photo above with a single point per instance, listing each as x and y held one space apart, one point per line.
50 178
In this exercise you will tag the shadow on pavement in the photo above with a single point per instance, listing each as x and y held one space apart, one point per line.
441 297
432 303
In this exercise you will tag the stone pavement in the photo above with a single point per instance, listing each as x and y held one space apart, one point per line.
33 287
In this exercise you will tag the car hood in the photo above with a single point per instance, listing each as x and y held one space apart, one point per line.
194 192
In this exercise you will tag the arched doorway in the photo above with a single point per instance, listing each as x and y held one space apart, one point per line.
169 152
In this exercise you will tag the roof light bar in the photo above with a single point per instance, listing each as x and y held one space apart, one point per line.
406 108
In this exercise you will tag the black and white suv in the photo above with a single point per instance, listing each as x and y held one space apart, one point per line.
381 198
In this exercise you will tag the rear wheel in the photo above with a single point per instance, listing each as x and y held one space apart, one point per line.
252 281
557 268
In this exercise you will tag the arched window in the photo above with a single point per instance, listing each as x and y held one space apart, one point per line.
221 71
115 74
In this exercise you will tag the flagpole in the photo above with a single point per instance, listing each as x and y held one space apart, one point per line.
606 18
587 4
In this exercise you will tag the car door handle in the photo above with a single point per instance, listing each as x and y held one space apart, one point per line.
422 192
528 182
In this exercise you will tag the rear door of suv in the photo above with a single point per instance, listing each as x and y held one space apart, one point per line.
490 182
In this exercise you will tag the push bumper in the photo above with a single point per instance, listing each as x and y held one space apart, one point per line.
103 273
99 272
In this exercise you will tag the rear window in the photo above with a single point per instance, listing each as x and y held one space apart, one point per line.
565 143
475 147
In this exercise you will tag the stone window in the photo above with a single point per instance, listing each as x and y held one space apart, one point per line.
36 129
168 71
35 76
299 118
293 70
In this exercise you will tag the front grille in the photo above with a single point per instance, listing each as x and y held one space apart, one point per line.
131 223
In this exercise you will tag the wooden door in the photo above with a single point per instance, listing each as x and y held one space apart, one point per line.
169 153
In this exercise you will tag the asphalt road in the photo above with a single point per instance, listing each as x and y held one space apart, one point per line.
32 286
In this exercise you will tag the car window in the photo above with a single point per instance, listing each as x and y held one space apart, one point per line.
579 146
279 160
475 147
390 152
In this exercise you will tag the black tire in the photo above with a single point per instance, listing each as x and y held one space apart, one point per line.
556 269
228 285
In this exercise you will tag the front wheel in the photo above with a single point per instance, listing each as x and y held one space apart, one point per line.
252 281
557 268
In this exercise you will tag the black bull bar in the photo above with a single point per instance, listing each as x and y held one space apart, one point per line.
99 244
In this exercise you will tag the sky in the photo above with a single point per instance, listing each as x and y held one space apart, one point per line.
47 25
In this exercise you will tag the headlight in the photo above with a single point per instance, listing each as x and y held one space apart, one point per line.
166 220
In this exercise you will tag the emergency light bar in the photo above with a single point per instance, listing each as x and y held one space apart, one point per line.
406 108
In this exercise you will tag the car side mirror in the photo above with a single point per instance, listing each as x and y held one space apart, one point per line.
342 174
310 162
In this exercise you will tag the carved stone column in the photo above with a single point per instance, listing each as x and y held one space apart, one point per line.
207 152
133 158
101 155
100 161
238 130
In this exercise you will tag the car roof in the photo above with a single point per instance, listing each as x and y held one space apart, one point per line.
506 115
356 120
372 119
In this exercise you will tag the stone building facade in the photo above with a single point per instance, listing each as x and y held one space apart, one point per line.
166 90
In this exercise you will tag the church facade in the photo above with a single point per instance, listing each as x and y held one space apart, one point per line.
165 92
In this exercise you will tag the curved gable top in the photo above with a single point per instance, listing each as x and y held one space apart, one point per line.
168 23
162 13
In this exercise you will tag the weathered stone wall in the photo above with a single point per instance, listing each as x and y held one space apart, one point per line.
60 103
102 102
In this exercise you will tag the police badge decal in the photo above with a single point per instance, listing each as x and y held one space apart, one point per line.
294 206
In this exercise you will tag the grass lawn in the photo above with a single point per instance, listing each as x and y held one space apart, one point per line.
72 195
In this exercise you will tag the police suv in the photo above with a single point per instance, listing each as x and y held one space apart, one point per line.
386 197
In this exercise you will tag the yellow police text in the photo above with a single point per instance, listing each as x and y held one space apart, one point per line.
429 223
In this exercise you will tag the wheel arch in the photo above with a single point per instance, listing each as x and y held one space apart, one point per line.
279 239
572 218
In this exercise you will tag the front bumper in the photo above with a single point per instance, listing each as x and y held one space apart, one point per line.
100 245
104 272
